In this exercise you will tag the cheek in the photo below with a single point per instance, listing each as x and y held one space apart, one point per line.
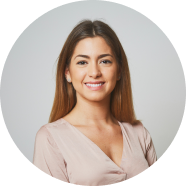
110 74
77 75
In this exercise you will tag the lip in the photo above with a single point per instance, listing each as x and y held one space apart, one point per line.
95 82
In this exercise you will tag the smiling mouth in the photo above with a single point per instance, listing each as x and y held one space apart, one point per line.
94 83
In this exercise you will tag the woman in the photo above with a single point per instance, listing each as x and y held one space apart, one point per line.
93 137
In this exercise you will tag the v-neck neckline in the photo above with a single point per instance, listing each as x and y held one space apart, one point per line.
119 166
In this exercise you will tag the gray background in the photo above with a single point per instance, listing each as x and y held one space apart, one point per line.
28 79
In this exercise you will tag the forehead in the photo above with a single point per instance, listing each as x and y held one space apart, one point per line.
91 46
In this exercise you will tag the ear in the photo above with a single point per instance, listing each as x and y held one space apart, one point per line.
119 75
67 72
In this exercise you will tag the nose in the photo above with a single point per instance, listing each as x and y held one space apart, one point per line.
94 70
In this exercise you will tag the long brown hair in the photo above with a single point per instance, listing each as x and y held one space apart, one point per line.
121 103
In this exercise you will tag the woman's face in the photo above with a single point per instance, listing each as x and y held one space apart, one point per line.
93 69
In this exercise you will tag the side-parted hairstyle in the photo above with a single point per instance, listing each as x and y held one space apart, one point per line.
121 103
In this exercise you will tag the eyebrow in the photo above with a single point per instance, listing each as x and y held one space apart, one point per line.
100 56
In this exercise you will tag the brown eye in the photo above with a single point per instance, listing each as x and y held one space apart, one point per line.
106 61
81 62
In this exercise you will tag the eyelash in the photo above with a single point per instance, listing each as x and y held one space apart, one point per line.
101 61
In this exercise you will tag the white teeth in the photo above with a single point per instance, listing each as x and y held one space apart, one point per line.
94 85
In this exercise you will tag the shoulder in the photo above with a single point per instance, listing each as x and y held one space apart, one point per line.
45 129
46 132
138 129
139 134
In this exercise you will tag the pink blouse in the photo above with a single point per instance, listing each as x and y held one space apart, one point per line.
65 153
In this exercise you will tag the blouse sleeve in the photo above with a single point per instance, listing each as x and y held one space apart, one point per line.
47 156
150 150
